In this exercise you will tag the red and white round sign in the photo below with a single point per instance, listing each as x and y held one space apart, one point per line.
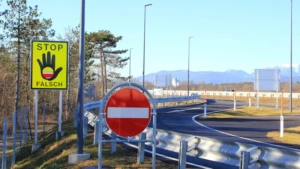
128 112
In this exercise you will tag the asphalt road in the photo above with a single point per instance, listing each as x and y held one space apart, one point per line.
179 119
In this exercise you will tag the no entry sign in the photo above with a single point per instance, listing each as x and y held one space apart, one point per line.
127 112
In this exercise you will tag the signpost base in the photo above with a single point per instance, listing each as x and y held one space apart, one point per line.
35 147
75 158
59 134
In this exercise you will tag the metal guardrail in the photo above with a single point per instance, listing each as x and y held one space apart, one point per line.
221 153
176 99
229 93
92 105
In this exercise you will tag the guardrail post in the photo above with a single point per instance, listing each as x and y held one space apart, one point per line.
249 101
281 125
234 105
4 145
277 102
204 110
182 154
85 126
75 116
96 132
113 147
244 160
186 100
141 149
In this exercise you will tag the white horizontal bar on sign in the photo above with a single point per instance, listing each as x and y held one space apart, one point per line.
128 112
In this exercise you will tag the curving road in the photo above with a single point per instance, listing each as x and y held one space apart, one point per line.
180 119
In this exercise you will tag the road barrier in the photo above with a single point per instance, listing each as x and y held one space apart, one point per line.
230 93
15 133
221 154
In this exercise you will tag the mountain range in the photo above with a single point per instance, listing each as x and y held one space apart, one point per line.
229 76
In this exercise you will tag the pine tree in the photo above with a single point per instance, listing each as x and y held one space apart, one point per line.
21 24
103 43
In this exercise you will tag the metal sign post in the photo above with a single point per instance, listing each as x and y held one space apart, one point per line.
104 112
36 145
60 133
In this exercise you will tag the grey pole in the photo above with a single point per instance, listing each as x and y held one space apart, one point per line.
291 68
36 109
44 112
81 82
188 92
129 65
21 127
4 145
14 137
144 44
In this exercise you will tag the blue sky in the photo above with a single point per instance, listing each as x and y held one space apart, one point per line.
228 34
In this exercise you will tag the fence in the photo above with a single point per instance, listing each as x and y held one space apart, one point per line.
15 132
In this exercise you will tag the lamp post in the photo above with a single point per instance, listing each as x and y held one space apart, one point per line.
81 81
291 61
129 65
188 92
144 43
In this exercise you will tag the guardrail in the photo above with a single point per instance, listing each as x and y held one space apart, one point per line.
229 93
96 104
221 154
176 99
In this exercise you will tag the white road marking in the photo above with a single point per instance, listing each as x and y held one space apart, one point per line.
244 138
175 111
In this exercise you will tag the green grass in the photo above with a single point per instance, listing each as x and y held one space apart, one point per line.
250 112
54 154
291 136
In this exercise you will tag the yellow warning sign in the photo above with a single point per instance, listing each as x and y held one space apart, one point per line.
49 65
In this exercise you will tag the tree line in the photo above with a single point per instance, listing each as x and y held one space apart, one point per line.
21 23
244 86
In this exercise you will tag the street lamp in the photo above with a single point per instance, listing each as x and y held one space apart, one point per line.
189 67
129 65
144 43
291 56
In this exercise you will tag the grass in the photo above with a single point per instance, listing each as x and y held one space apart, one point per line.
54 154
291 136
265 100
251 112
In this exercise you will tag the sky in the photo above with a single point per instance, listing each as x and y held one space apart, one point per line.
227 34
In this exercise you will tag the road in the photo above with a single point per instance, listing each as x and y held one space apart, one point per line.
180 119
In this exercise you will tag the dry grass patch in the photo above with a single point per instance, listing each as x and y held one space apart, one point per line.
265 100
251 112
291 136
54 154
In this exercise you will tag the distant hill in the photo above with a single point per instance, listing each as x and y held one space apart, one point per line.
229 76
